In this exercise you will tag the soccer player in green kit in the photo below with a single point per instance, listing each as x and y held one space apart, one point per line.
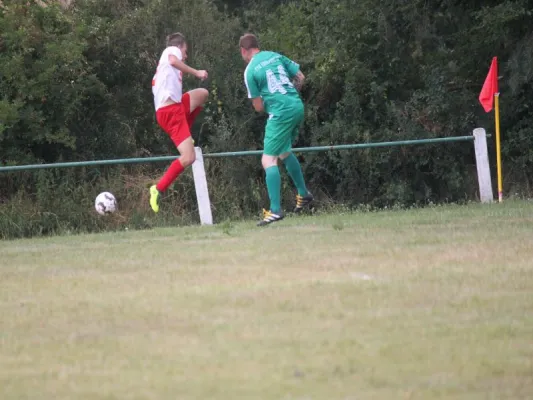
273 81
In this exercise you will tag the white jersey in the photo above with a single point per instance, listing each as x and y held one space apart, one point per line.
166 84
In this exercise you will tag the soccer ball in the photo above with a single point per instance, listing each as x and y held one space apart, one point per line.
105 203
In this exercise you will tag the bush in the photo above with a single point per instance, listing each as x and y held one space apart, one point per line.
75 85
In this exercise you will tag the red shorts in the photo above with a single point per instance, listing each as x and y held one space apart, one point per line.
174 119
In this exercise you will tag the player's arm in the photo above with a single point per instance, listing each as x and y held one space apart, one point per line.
177 63
293 69
254 93
257 102
298 80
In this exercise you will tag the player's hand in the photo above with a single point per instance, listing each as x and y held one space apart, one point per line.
202 75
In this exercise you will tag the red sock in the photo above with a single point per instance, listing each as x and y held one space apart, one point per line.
192 116
170 176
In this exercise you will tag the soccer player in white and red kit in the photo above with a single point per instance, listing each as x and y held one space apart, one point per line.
175 113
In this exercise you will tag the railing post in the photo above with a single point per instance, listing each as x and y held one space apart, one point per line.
483 167
200 185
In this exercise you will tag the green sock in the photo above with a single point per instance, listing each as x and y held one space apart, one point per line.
295 172
273 182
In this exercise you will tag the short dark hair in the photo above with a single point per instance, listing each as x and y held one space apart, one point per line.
176 39
249 41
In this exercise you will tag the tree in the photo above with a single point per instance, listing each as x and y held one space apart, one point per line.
48 90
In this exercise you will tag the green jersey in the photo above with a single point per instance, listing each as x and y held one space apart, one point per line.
268 75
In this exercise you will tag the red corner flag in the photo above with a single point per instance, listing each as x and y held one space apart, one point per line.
490 87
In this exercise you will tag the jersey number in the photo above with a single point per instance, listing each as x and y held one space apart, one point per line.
275 85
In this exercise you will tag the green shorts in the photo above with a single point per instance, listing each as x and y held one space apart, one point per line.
281 131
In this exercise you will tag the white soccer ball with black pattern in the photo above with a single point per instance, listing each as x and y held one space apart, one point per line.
105 203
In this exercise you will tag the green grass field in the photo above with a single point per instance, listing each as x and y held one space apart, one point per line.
422 304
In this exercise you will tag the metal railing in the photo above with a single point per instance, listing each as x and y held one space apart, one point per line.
479 138
141 160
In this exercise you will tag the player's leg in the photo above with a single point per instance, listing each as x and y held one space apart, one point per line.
275 143
187 157
273 184
193 102
177 127
294 169
303 198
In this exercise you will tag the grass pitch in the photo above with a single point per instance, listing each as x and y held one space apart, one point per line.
422 304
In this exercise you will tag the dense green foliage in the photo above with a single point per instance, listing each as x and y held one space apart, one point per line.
75 85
